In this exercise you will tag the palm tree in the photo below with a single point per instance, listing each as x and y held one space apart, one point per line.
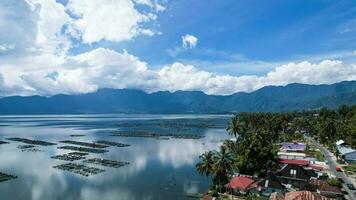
205 167
223 165
236 126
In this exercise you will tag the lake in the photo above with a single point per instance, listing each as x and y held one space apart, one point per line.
160 167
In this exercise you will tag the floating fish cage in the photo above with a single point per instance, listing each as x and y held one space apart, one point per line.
187 136
86 144
26 146
107 163
79 169
116 144
77 135
136 134
6 177
83 149
69 157
28 141
78 153
155 135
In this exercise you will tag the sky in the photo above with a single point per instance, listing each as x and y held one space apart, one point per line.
50 47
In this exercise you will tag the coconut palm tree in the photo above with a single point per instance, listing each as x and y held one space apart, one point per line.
223 166
205 166
236 126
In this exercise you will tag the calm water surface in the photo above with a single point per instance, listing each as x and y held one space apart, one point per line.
159 169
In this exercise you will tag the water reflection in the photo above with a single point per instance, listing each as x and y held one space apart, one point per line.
159 169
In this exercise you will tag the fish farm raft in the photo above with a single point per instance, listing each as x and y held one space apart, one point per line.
107 163
6 177
86 144
28 141
69 157
84 149
116 144
79 169
155 135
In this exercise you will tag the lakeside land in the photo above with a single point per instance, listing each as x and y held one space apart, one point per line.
281 155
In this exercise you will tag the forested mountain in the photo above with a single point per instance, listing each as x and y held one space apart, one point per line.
271 98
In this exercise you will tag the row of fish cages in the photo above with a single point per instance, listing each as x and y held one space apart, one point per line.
6 177
72 156
3 142
106 162
79 169
84 149
176 123
33 142
28 148
86 144
155 135
77 135
116 144
86 170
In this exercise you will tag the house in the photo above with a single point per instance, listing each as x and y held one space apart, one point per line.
291 155
295 162
323 188
271 184
299 195
340 142
347 154
296 175
240 184
293 147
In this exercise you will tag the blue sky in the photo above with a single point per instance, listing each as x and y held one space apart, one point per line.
244 43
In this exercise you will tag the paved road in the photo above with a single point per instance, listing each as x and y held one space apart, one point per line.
332 164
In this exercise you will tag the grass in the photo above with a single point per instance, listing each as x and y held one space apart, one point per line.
316 154
351 168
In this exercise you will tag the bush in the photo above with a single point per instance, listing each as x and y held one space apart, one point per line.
334 182
214 193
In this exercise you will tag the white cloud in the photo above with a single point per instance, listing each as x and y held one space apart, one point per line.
153 4
107 20
105 68
17 27
6 47
42 65
52 18
189 41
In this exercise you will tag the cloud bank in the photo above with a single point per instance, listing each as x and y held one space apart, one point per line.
35 56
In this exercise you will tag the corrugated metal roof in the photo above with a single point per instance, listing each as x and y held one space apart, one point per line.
345 150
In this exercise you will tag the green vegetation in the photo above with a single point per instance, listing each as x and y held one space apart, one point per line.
316 154
350 168
334 182
254 152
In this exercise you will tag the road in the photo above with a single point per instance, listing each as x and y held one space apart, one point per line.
332 164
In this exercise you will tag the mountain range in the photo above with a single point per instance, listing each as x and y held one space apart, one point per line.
291 97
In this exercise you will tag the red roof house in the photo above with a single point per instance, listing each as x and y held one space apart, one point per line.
241 183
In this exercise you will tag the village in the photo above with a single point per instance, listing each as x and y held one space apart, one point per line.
307 171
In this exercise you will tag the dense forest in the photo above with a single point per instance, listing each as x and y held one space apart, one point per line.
255 150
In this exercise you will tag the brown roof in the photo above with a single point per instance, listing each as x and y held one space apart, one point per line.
300 195
304 195
240 182
276 196
323 186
